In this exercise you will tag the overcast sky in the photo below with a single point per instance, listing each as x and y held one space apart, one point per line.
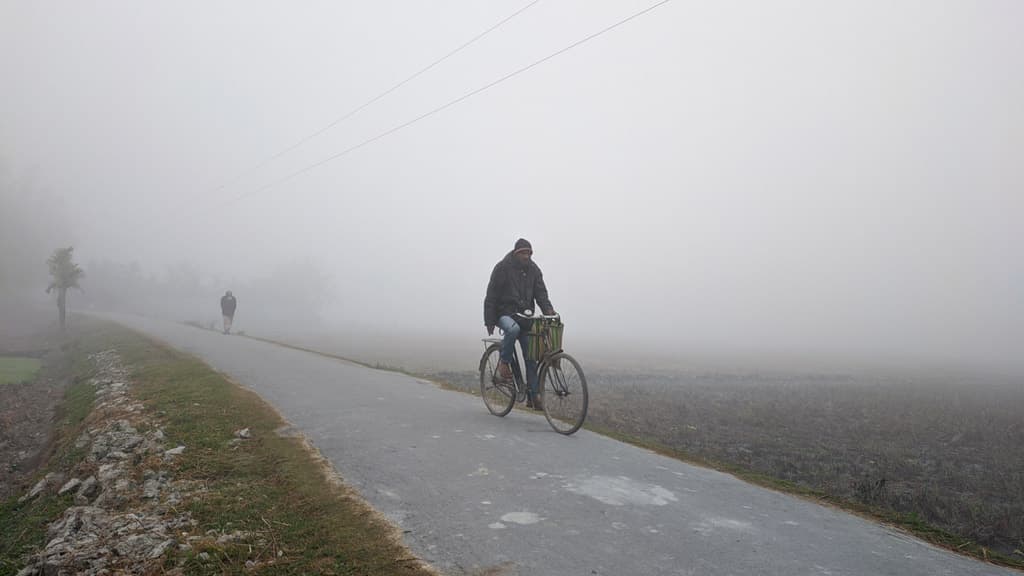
789 177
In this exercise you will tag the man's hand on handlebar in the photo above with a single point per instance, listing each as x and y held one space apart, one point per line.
490 330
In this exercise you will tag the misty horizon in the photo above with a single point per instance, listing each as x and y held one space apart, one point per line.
785 187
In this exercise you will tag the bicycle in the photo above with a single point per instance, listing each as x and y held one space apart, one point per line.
563 387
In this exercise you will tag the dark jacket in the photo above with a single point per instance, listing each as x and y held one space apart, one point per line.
513 288
227 305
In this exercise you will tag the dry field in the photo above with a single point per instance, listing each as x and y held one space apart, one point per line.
950 455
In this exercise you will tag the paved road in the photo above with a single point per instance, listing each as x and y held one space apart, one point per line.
476 494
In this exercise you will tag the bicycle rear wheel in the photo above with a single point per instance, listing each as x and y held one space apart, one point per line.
564 393
499 396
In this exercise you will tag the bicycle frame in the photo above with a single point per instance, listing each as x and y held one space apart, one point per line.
518 378
562 386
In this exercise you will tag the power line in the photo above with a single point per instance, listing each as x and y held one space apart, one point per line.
444 106
361 107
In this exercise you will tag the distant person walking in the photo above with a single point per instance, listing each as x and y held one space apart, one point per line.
227 308
516 284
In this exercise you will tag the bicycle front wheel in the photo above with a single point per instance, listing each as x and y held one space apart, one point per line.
499 396
564 393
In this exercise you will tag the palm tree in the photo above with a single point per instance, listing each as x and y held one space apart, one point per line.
66 274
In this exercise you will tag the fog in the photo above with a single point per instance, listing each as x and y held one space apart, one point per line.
788 185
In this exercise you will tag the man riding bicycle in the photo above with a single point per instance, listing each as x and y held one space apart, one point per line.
516 282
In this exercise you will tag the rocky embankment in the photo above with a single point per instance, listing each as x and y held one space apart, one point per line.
129 511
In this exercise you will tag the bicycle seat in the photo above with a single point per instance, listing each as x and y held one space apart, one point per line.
492 340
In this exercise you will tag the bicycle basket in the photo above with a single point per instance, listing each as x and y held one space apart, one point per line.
555 329
545 337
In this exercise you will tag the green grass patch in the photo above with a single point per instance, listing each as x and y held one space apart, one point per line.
14 370
270 487
77 405
23 528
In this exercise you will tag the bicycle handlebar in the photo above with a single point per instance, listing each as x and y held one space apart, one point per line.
541 316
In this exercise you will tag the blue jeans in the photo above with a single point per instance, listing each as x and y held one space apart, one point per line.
513 332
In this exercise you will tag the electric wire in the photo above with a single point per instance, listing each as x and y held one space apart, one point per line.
372 100
445 106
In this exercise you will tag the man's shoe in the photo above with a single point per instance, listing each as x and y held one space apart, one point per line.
535 403
504 371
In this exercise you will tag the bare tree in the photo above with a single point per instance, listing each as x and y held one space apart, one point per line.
66 274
